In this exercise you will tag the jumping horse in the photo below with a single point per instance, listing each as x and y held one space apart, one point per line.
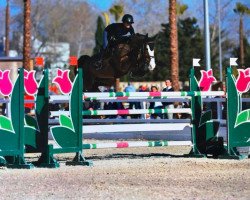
132 55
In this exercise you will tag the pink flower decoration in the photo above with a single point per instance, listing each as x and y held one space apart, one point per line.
243 80
63 81
30 84
247 72
206 80
6 85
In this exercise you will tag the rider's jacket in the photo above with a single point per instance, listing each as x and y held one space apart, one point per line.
116 30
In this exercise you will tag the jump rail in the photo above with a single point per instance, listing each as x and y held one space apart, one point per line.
33 133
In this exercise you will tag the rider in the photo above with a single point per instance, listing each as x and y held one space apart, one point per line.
116 30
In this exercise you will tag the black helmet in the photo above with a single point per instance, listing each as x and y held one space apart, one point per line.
128 18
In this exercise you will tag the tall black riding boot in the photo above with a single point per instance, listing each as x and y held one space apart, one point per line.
98 63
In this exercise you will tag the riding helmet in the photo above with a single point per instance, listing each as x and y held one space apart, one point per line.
128 18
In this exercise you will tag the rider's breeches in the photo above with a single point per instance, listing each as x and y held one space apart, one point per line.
105 39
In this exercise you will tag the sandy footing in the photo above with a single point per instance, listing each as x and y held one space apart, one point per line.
136 173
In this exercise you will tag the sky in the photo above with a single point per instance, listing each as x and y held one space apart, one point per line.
195 7
101 4
105 4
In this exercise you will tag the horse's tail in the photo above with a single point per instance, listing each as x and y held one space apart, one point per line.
82 61
84 64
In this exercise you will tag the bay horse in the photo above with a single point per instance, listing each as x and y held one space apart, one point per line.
132 55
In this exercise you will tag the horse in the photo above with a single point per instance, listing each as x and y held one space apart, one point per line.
132 55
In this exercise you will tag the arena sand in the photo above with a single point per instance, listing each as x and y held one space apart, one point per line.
136 173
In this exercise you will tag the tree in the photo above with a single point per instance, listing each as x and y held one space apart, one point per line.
98 35
106 18
27 34
54 21
236 52
148 14
80 25
117 11
2 21
241 10
180 9
190 44
174 60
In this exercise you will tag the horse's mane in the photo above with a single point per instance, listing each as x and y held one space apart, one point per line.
134 38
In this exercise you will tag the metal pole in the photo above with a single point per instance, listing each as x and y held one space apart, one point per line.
207 35
7 28
220 51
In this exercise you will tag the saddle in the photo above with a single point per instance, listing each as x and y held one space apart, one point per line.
108 53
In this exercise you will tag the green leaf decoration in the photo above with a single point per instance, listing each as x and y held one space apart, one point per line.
243 117
205 117
6 124
31 121
66 121
64 137
30 136
11 138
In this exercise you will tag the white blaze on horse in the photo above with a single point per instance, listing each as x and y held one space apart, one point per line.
152 58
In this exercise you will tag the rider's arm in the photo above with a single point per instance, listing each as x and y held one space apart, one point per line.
132 31
111 31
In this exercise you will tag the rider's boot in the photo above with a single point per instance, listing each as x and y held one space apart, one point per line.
100 60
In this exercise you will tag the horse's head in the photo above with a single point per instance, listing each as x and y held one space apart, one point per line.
143 48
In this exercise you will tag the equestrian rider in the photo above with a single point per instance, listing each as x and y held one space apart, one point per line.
116 30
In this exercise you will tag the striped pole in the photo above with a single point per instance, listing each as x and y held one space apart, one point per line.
136 98
137 95
152 94
136 111
65 98
124 112
136 144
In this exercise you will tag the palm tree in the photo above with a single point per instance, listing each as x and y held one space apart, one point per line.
241 10
106 18
117 11
174 57
26 34
181 9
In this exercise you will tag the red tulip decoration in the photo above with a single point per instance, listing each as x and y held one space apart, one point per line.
243 80
63 82
206 80
6 85
30 84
